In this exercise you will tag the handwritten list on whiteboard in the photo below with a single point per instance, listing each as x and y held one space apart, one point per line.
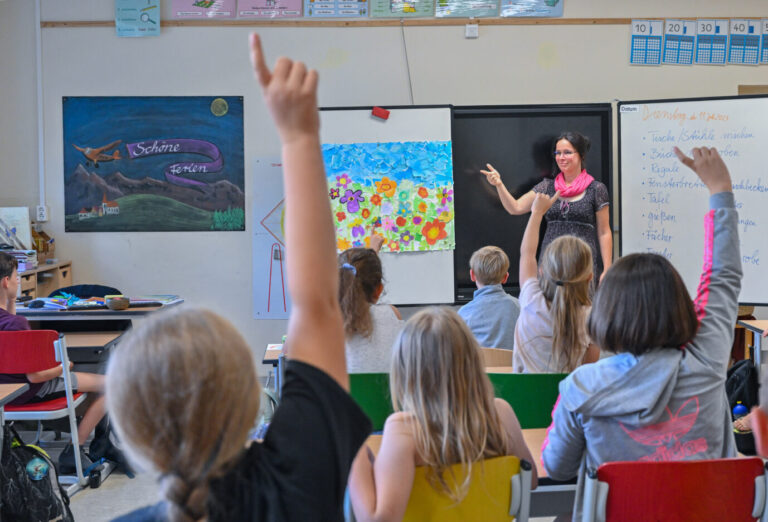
663 203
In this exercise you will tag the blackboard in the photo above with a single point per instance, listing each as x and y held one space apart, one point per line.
663 203
518 142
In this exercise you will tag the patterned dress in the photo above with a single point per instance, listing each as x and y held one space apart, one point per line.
576 218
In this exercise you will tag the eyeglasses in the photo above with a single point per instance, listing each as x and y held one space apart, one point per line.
566 153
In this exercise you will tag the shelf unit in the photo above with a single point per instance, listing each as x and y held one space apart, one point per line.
46 278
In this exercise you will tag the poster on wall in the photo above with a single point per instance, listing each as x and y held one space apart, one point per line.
201 9
153 163
336 8
400 190
268 8
137 17
466 8
533 8
402 8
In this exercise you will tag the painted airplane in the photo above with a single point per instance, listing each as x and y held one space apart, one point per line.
95 155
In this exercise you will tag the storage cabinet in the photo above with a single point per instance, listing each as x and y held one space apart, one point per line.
44 279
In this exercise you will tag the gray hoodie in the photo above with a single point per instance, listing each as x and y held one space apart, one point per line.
667 404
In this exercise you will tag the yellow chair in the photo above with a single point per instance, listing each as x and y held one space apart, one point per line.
500 490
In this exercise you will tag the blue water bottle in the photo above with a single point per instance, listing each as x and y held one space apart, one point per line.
739 411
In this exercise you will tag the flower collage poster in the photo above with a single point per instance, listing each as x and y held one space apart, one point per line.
400 190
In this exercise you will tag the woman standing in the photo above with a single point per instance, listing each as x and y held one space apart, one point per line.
583 207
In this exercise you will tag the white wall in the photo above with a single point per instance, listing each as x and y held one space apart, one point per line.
358 66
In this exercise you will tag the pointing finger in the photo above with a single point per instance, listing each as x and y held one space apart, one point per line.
259 64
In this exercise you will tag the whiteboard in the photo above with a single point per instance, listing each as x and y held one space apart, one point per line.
663 203
409 277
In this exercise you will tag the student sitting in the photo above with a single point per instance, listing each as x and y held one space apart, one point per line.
550 336
48 384
492 313
183 391
445 414
370 328
662 397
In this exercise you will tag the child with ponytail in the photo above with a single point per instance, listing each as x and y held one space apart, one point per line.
370 328
550 335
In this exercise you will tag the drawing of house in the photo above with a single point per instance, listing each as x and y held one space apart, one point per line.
109 207
83 214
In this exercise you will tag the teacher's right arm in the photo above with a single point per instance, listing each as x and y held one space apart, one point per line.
521 205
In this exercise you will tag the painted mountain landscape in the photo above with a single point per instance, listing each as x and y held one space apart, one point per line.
153 164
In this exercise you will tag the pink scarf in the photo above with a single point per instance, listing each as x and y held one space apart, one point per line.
578 185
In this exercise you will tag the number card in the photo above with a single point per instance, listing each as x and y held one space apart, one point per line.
711 41
679 42
645 48
335 8
764 42
744 42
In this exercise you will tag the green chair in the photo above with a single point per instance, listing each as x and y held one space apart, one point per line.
531 395
371 392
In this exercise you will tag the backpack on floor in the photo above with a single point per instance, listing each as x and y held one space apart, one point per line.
29 484
106 445
742 386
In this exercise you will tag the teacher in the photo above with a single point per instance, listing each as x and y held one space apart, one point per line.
583 207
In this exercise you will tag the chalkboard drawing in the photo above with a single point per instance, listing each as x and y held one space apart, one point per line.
164 164
401 190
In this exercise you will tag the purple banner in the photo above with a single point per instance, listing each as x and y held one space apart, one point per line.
182 173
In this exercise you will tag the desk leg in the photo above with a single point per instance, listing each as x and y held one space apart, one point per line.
756 339
280 374
2 430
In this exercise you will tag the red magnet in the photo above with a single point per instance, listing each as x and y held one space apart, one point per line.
380 113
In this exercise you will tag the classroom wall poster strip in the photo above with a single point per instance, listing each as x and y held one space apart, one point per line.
269 8
645 45
137 18
402 8
466 8
679 42
401 190
744 42
335 8
711 42
153 163
197 9
532 8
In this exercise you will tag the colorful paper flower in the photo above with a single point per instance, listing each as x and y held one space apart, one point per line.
417 220
445 216
376 199
394 246
388 224
434 231
358 230
357 244
422 207
444 195
334 193
386 186
343 181
341 216
406 237
377 223
403 196
386 208
366 213
401 221
404 210
423 192
353 200
342 244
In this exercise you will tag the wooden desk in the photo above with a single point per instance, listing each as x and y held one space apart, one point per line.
272 354
534 438
39 314
756 327
8 392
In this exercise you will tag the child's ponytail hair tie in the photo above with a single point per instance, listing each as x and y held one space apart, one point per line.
351 268
559 282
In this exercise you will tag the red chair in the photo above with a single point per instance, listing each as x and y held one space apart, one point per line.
29 351
720 489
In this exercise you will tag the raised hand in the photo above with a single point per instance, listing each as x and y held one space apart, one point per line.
492 175
709 166
290 92
376 242
542 203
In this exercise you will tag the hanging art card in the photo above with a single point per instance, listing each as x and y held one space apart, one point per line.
268 8
679 42
402 8
400 190
532 8
154 163
136 18
335 8
201 9
744 42
466 8
711 42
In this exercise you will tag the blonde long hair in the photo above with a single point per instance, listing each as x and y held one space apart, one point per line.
438 377
565 280
183 395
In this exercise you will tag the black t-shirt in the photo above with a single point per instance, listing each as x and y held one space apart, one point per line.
300 470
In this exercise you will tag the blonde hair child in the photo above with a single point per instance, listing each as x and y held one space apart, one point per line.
445 414
370 327
550 335
182 389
